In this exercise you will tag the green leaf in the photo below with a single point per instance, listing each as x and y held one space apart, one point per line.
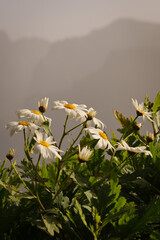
88 195
96 216
70 216
78 206
128 215
120 203
51 224
149 216
51 174
156 104
155 150
14 193
125 122
93 180
44 172
155 235
115 189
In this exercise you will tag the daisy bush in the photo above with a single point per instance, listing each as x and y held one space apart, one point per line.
96 187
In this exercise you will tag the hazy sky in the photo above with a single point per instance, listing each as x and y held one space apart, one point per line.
58 19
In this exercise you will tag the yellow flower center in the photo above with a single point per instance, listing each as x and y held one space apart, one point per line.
36 112
103 135
70 106
24 123
43 143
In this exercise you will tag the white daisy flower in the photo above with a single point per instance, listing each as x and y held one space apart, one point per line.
72 110
19 126
32 115
84 154
91 118
45 146
140 109
103 140
43 104
125 146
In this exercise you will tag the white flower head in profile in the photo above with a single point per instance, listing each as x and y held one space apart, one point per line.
140 110
91 118
84 154
126 147
32 115
103 141
45 146
74 111
16 127
43 104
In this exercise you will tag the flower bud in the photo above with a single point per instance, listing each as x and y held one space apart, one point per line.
10 155
43 104
149 137
137 126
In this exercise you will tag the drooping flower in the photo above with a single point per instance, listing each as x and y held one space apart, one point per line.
103 141
91 118
43 104
72 110
32 115
84 154
126 147
19 126
45 145
140 110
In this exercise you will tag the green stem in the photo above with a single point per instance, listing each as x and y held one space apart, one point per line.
76 127
25 141
22 180
154 129
127 129
36 197
38 161
49 129
77 138
59 161
63 135
65 181
40 177
64 132
59 169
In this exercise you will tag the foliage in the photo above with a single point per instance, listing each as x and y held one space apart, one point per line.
89 191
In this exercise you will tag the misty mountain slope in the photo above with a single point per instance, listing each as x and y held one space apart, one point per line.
73 59
126 74
17 61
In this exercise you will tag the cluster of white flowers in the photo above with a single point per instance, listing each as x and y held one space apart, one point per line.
46 145
75 111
